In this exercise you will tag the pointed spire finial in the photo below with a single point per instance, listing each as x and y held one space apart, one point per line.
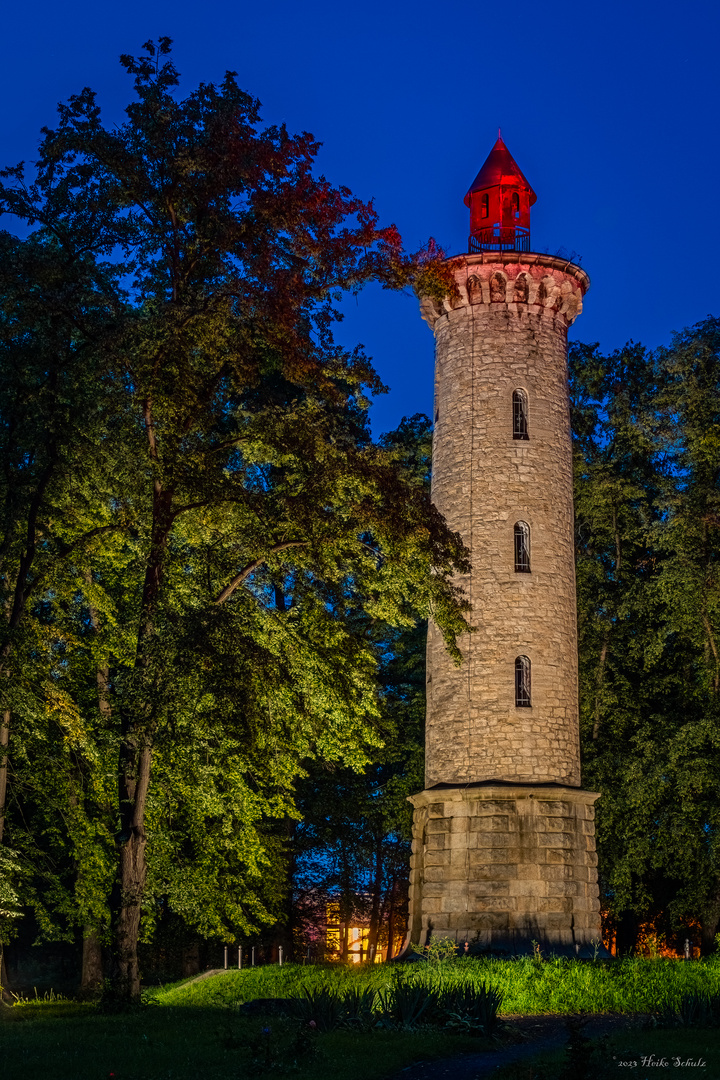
499 133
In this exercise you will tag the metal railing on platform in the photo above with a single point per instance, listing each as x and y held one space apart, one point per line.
500 238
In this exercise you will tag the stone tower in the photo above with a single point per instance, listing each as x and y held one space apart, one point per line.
503 848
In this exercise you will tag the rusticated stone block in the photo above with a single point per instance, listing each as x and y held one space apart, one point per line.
557 855
526 885
490 840
490 856
490 888
555 904
438 824
481 809
505 887
495 823
561 840
492 872
493 903
555 824
563 888
558 808
488 920
557 871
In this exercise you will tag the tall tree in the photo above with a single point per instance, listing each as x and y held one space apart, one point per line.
646 493
351 847
265 517
55 303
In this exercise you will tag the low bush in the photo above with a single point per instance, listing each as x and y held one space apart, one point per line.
406 1002
696 1009
323 1008
472 1008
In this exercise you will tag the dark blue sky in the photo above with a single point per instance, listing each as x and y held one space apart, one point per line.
610 109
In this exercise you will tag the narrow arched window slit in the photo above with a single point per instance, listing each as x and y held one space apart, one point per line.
522 547
520 415
523 698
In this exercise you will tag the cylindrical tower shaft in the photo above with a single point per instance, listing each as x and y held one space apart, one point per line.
502 477
503 835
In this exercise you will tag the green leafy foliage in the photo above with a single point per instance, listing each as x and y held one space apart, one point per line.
437 951
647 466
205 550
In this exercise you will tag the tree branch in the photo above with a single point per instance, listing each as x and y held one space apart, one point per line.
247 570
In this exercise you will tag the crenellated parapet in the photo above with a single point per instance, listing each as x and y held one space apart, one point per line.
530 283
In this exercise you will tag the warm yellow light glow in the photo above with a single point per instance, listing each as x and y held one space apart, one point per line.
357 938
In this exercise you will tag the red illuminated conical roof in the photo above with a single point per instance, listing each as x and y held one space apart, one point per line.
500 168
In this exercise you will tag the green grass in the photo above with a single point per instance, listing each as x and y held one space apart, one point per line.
188 1043
554 986
196 1030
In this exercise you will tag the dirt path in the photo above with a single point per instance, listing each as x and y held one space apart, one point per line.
535 1035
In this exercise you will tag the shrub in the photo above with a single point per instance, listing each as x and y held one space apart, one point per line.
325 1008
437 950
695 1009
472 1007
359 1007
408 1001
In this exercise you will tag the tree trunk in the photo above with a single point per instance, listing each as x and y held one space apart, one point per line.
91 978
391 921
132 844
709 918
627 934
4 743
135 762
5 997
600 675
133 873
599 680
376 898
713 645
191 959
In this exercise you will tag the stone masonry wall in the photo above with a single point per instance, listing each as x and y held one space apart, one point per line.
503 866
506 330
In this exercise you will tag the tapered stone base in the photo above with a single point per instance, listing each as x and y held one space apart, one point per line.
505 865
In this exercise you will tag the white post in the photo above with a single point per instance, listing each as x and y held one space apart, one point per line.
226 956
253 956
239 957
280 952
